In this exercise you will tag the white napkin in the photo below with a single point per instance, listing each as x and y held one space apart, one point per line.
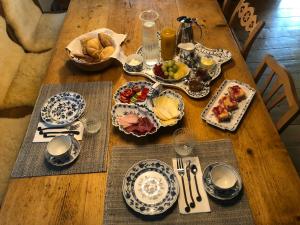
202 206
75 46
39 137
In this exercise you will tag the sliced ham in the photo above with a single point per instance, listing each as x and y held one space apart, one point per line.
128 120
143 126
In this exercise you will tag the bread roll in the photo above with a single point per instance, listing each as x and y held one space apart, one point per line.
107 52
94 48
105 40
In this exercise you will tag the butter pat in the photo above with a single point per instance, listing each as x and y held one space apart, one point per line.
134 62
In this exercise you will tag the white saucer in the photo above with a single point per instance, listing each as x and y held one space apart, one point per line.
71 158
221 195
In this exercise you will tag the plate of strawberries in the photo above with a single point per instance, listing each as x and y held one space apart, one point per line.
228 106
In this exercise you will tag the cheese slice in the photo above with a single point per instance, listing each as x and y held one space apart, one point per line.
169 122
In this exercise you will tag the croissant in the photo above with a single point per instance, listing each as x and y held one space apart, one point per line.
107 52
94 47
105 40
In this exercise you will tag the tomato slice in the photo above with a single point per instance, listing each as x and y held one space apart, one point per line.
127 92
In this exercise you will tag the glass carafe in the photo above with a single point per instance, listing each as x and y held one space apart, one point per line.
151 52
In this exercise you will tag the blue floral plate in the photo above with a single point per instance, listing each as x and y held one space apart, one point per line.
150 187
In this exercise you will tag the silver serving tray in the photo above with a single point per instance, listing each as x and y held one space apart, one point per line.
237 115
221 56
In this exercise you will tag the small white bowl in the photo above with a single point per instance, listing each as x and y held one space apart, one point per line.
134 63
59 147
223 177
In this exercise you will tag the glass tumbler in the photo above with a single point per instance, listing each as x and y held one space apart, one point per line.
151 52
184 141
91 123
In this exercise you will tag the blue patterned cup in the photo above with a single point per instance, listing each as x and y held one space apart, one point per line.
134 63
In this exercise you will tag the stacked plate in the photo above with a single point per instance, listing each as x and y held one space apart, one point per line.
150 187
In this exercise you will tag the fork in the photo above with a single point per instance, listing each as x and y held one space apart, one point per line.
181 172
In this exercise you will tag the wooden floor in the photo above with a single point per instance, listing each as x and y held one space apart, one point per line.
281 38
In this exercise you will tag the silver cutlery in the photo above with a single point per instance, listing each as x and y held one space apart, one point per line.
188 173
46 135
70 127
181 172
194 170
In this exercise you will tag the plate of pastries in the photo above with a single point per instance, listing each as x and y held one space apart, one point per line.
228 106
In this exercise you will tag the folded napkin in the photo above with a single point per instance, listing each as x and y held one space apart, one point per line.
202 206
75 48
40 138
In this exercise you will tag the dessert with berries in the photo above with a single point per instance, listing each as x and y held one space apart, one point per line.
237 93
228 103
221 113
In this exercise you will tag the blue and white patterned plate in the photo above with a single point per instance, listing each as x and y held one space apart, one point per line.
63 108
220 56
221 195
122 109
150 187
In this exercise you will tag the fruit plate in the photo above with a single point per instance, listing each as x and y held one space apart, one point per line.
236 115
150 187
123 109
63 108
220 56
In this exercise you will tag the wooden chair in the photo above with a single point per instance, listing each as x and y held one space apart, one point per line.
271 90
248 20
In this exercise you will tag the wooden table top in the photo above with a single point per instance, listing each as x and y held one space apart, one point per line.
270 179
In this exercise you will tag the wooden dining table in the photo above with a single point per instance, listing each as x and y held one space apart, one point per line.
271 182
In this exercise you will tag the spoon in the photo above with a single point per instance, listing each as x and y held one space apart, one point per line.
194 171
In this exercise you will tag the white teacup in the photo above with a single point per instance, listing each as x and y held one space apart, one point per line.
60 147
223 177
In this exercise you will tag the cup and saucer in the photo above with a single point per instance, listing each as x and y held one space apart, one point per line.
62 150
222 181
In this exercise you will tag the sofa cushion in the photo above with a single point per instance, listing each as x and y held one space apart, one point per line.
11 56
12 134
23 16
47 30
36 32
25 86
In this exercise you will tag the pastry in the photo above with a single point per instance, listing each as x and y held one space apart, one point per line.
228 103
237 93
221 113
107 52
105 40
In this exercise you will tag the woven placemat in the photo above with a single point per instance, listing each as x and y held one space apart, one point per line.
92 158
235 212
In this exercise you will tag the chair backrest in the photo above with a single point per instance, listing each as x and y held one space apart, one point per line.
248 20
23 16
278 85
11 55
